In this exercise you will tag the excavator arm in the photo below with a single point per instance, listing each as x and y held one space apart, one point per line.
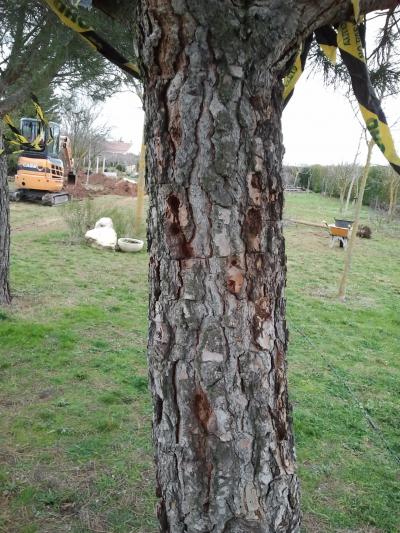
66 152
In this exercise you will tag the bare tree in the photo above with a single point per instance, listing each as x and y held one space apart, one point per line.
290 176
81 121
350 247
392 183
354 172
343 177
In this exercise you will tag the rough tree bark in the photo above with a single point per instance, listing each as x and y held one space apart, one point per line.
217 333
5 296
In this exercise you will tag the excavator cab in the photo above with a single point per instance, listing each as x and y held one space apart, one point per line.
32 129
44 139
40 174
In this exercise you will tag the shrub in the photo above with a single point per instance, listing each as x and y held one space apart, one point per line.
82 215
364 232
123 220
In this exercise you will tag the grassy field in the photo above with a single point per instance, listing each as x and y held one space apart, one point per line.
75 451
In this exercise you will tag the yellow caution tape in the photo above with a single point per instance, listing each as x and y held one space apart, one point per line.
19 139
296 71
356 8
39 110
327 39
292 78
352 52
17 134
71 18
351 46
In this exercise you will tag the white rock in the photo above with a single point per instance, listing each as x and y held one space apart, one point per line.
104 222
103 235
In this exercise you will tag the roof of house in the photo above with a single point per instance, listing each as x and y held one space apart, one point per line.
117 147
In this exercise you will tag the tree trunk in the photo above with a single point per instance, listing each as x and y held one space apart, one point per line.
217 336
5 296
341 198
353 179
395 196
394 184
391 201
354 173
295 178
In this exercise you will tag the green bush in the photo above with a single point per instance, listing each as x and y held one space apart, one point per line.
376 192
81 215
12 164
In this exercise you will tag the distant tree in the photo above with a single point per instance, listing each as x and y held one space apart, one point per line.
36 53
290 176
343 174
305 177
317 177
326 180
350 248
81 121
354 172
392 183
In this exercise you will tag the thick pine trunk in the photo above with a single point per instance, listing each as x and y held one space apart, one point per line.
217 340
5 296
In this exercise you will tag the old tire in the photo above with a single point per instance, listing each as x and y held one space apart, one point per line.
130 245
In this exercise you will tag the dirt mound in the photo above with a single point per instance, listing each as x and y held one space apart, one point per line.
99 184
125 188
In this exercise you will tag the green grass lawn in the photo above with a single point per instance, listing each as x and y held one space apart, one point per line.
75 414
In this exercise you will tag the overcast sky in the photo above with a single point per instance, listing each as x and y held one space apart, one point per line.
318 123
319 126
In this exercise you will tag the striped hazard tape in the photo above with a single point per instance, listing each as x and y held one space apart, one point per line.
71 18
326 37
350 39
296 71
352 53
356 9
39 110
20 141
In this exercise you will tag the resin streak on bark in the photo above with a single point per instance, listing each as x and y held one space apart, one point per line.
217 340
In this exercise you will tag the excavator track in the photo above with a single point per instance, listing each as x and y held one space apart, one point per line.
44 198
56 198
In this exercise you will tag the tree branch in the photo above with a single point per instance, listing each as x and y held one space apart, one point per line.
120 10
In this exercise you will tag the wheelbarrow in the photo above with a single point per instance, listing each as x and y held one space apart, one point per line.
339 234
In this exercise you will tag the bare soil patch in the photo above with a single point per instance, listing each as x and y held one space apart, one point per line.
98 185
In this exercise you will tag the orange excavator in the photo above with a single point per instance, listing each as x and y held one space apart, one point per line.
41 174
